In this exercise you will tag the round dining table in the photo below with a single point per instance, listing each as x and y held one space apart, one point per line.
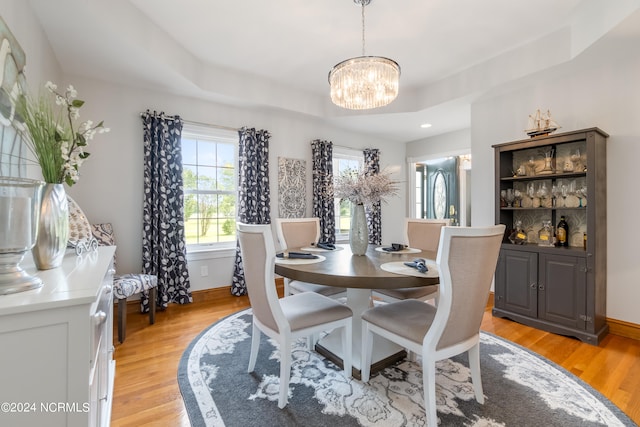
360 274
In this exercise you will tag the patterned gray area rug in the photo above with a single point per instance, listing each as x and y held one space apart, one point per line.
520 387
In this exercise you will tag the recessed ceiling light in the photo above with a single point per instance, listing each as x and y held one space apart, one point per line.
425 125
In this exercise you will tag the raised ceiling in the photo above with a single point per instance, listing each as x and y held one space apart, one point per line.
276 54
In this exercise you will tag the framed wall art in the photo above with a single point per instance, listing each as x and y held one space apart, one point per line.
292 184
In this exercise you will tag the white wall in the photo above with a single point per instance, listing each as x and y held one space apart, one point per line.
111 184
41 63
443 145
589 92
39 56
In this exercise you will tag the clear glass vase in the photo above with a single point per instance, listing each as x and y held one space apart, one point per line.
359 232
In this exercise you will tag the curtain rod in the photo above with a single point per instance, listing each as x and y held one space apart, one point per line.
198 123
211 125
352 148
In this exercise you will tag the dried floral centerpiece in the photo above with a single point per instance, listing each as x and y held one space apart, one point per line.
361 189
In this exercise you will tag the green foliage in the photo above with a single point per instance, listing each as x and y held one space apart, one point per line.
51 135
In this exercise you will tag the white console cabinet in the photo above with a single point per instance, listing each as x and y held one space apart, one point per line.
56 346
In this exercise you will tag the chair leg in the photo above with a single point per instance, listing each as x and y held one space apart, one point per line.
429 386
285 371
476 377
255 345
153 295
367 348
347 349
311 341
122 319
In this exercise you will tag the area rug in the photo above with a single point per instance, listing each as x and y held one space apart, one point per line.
520 388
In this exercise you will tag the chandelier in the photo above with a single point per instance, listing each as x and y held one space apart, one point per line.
364 82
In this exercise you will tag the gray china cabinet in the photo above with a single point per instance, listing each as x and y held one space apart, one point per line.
560 289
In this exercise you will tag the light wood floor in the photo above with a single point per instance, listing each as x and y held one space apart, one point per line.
146 388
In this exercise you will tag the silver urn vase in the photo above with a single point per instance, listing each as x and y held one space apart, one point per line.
19 211
53 227
359 232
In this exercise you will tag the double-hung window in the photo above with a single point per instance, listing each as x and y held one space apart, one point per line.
344 160
209 161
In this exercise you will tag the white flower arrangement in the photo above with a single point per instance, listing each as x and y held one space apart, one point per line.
51 135
361 188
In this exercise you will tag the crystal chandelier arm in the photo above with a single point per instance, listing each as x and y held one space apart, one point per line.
364 2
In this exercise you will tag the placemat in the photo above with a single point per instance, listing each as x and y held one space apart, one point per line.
300 260
316 249
398 267
403 251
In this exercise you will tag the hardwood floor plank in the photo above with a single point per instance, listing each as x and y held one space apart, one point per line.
146 387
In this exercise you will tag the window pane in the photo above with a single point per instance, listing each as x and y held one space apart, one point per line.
209 173
225 179
207 153
207 178
189 177
189 151
343 209
344 223
226 154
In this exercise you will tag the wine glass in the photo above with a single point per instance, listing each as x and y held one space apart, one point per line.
503 198
575 159
555 192
509 197
531 191
582 194
542 193
518 197
564 191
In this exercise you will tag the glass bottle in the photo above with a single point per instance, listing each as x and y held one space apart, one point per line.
545 234
518 236
562 232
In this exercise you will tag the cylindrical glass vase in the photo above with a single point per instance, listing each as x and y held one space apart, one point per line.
19 212
53 227
359 232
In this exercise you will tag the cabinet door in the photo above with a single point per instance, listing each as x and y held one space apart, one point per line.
516 282
562 290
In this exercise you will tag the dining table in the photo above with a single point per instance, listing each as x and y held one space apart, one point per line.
359 274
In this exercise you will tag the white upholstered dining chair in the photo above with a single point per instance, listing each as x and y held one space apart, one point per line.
467 259
423 234
299 233
291 317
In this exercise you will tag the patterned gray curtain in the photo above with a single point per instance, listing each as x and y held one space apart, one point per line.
163 240
323 202
254 200
374 213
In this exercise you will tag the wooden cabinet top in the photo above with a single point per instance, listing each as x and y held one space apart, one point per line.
555 138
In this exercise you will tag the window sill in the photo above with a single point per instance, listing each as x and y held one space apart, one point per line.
198 253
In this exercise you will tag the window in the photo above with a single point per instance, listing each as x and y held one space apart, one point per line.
342 162
209 159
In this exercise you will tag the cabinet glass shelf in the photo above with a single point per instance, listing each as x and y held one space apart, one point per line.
541 177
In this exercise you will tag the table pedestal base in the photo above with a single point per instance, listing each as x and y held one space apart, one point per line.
385 352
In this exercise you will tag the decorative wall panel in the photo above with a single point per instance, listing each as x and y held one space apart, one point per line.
12 82
292 186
